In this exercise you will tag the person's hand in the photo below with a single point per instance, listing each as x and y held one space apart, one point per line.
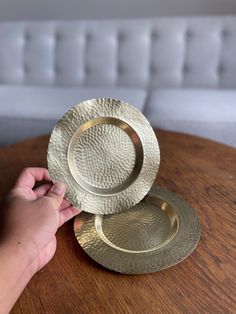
32 216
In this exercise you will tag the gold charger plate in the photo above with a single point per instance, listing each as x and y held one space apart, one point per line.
157 233
106 152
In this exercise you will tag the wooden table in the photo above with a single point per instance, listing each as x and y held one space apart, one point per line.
204 173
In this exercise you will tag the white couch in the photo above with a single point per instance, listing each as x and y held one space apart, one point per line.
181 72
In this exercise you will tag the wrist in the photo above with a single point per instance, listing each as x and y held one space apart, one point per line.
19 255
15 273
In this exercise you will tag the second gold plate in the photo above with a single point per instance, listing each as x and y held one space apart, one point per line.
155 234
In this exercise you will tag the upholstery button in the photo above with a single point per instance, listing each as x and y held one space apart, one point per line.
220 69
89 37
224 33
26 69
57 69
153 69
87 69
186 69
121 36
58 36
189 34
154 35
27 36
120 69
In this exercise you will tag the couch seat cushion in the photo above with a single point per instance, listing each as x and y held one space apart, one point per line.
32 111
207 113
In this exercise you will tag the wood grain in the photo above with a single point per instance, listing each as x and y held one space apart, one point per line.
204 173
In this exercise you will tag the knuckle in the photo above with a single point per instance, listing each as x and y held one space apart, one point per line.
26 171
53 199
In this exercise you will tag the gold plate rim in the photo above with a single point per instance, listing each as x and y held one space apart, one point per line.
181 245
133 191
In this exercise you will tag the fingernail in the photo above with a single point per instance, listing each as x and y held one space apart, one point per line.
59 188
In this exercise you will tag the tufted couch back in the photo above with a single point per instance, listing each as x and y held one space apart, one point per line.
150 53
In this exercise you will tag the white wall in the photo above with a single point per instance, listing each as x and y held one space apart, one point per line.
74 9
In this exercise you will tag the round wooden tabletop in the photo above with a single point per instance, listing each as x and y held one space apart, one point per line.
201 171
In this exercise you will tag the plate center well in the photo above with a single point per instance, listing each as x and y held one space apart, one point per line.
144 228
105 155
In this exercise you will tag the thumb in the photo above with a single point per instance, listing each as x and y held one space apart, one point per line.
57 193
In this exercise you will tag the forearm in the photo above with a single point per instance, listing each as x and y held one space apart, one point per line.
15 273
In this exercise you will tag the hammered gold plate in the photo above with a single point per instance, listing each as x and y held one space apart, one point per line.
157 233
106 152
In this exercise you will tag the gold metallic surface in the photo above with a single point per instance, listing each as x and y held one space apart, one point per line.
106 152
157 233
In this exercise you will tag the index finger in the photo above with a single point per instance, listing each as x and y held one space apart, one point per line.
29 176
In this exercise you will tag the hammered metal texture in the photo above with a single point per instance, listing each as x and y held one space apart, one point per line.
157 233
107 153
